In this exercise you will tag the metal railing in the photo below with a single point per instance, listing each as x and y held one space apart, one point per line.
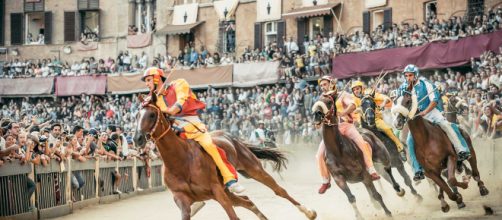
32 192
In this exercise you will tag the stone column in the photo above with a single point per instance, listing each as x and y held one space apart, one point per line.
149 15
139 16
132 12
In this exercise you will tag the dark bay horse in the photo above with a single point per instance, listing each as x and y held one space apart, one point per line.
191 174
344 159
368 117
435 152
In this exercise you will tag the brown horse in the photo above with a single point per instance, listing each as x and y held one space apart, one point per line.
368 118
435 152
191 174
344 159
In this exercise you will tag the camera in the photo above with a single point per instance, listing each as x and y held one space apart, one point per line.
42 139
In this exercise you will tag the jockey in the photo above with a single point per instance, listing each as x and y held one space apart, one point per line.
381 101
176 99
430 108
345 108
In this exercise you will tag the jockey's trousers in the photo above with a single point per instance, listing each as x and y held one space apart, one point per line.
387 130
205 140
451 130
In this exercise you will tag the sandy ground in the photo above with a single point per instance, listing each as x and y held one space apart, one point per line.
301 180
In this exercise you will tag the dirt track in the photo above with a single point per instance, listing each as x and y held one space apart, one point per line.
301 180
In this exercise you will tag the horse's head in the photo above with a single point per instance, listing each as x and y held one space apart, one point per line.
404 109
148 120
368 106
457 105
324 109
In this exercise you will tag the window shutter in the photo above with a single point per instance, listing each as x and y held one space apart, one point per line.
93 4
2 23
258 34
328 25
48 27
83 4
387 19
88 4
366 22
16 28
34 6
281 32
301 27
69 26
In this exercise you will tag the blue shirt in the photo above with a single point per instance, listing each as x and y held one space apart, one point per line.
422 89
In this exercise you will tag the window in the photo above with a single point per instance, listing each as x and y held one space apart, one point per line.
89 27
378 18
227 36
35 28
430 10
316 27
33 5
270 32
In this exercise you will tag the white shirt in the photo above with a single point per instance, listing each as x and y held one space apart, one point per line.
257 136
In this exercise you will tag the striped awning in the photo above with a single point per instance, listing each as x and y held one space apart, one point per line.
178 29
312 11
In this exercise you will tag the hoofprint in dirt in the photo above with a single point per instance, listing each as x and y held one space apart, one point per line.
302 179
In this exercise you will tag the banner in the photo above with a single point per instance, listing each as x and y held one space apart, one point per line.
86 47
139 40
431 55
77 85
197 78
26 86
251 74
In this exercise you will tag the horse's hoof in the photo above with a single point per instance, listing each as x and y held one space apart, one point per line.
312 215
401 192
389 214
461 205
483 191
445 209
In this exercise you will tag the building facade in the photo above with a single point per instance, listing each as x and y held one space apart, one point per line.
78 29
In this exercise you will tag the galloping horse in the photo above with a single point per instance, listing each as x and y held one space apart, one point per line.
191 174
435 152
368 117
344 159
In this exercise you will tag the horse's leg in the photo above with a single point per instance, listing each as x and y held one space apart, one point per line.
245 202
399 191
342 184
183 202
452 165
407 180
371 188
221 197
444 205
475 172
260 175
436 177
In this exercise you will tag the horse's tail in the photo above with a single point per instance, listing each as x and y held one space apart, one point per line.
276 156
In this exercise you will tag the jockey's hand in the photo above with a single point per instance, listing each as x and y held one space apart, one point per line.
173 110
421 114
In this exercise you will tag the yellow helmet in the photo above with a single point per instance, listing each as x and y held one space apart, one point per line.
356 84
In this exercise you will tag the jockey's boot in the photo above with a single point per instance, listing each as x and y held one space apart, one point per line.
234 187
419 176
374 175
402 155
463 155
324 187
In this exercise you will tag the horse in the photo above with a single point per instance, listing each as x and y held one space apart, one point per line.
344 159
456 106
435 152
368 117
191 174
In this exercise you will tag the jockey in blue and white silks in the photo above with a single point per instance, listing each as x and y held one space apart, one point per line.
431 108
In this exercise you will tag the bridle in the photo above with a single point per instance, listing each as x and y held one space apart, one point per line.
371 108
327 117
167 126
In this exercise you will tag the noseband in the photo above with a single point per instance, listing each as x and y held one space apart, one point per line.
157 123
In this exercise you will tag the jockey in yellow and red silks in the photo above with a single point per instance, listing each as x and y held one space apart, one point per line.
177 99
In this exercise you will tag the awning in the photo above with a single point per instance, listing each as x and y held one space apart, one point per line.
268 10
229 5
177 29
312 11
185 14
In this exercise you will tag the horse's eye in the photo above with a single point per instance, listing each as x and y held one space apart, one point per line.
152 116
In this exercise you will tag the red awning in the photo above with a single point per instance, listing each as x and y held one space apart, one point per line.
312 11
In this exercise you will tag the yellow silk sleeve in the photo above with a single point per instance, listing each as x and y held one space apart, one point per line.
182 90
